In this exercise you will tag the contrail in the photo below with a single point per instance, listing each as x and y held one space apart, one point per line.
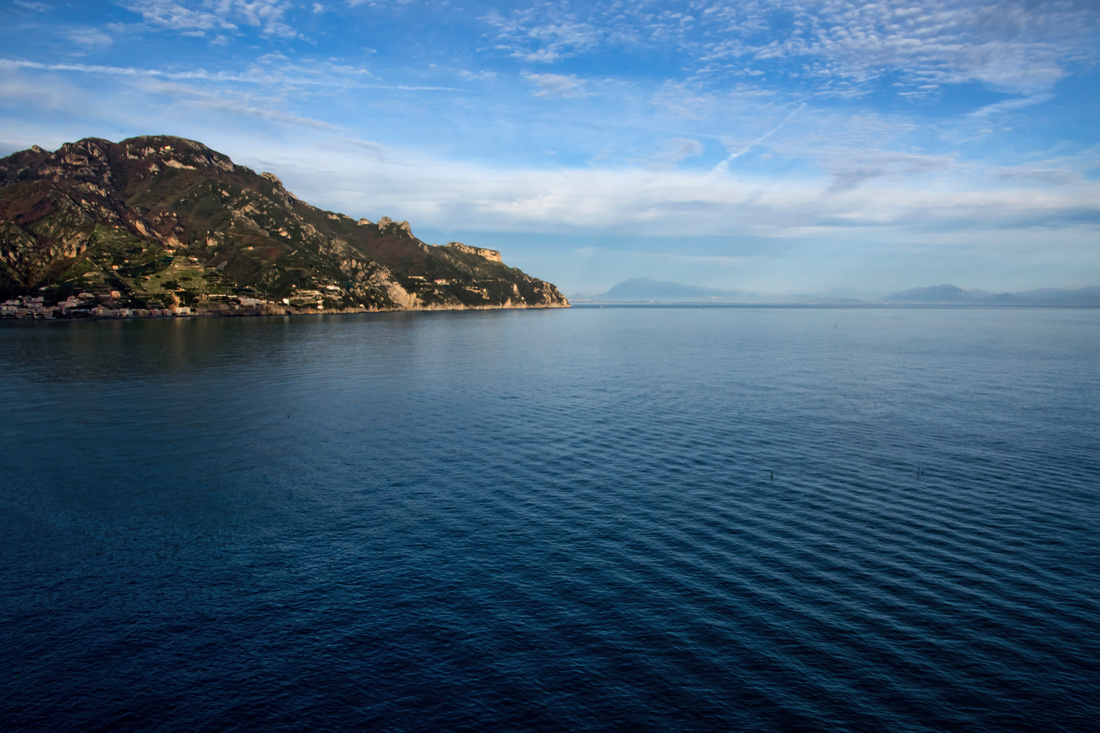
725 164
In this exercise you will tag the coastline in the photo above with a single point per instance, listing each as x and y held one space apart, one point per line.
34 309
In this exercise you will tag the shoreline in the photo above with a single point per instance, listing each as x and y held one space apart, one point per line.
35 312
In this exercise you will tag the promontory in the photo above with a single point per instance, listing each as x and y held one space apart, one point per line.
162 225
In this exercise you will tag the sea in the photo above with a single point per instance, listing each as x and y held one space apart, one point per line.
595 519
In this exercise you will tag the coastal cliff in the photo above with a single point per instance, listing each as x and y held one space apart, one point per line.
157 224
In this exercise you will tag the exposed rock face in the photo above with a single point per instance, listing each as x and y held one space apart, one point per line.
489 254
163 222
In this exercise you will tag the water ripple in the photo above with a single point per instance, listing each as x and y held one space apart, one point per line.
616 519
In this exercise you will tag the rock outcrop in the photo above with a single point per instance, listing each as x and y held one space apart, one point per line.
156 223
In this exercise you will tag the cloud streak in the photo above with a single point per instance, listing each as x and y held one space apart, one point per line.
252 77
210 102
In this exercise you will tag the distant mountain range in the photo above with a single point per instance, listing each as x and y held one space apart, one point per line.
167 223
645 290
950 294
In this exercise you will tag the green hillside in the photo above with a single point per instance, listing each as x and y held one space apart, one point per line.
163 222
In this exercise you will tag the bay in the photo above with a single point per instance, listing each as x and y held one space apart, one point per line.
594 519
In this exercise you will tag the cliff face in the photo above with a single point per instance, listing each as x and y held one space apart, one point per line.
159 222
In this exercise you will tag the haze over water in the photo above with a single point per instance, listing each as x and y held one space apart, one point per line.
597 519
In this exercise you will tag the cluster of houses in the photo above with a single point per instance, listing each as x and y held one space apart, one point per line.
112 305
89 305
85 305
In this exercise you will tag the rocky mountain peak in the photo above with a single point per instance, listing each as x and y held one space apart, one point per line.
174 152
386 224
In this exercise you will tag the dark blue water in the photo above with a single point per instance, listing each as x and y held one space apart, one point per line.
598 519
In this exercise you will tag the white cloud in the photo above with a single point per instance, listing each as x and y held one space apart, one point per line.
838 49
90 37
1049 176
374 151
851 169
677 149
544 34
271 70
176 16
377 3
557 85
477 75
680 100
652 202
215 15
246 106
1011 105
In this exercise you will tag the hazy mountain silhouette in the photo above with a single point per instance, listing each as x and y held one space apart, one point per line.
646 290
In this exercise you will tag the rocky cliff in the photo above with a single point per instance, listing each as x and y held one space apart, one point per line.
163 222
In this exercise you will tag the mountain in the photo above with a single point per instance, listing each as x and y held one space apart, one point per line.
643 289
940 294
1054 296
952 295
163 222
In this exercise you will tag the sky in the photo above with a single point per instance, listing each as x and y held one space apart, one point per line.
761 145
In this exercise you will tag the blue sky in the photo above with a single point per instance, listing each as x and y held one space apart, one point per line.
761 145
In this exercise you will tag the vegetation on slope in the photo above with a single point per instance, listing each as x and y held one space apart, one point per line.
159 222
